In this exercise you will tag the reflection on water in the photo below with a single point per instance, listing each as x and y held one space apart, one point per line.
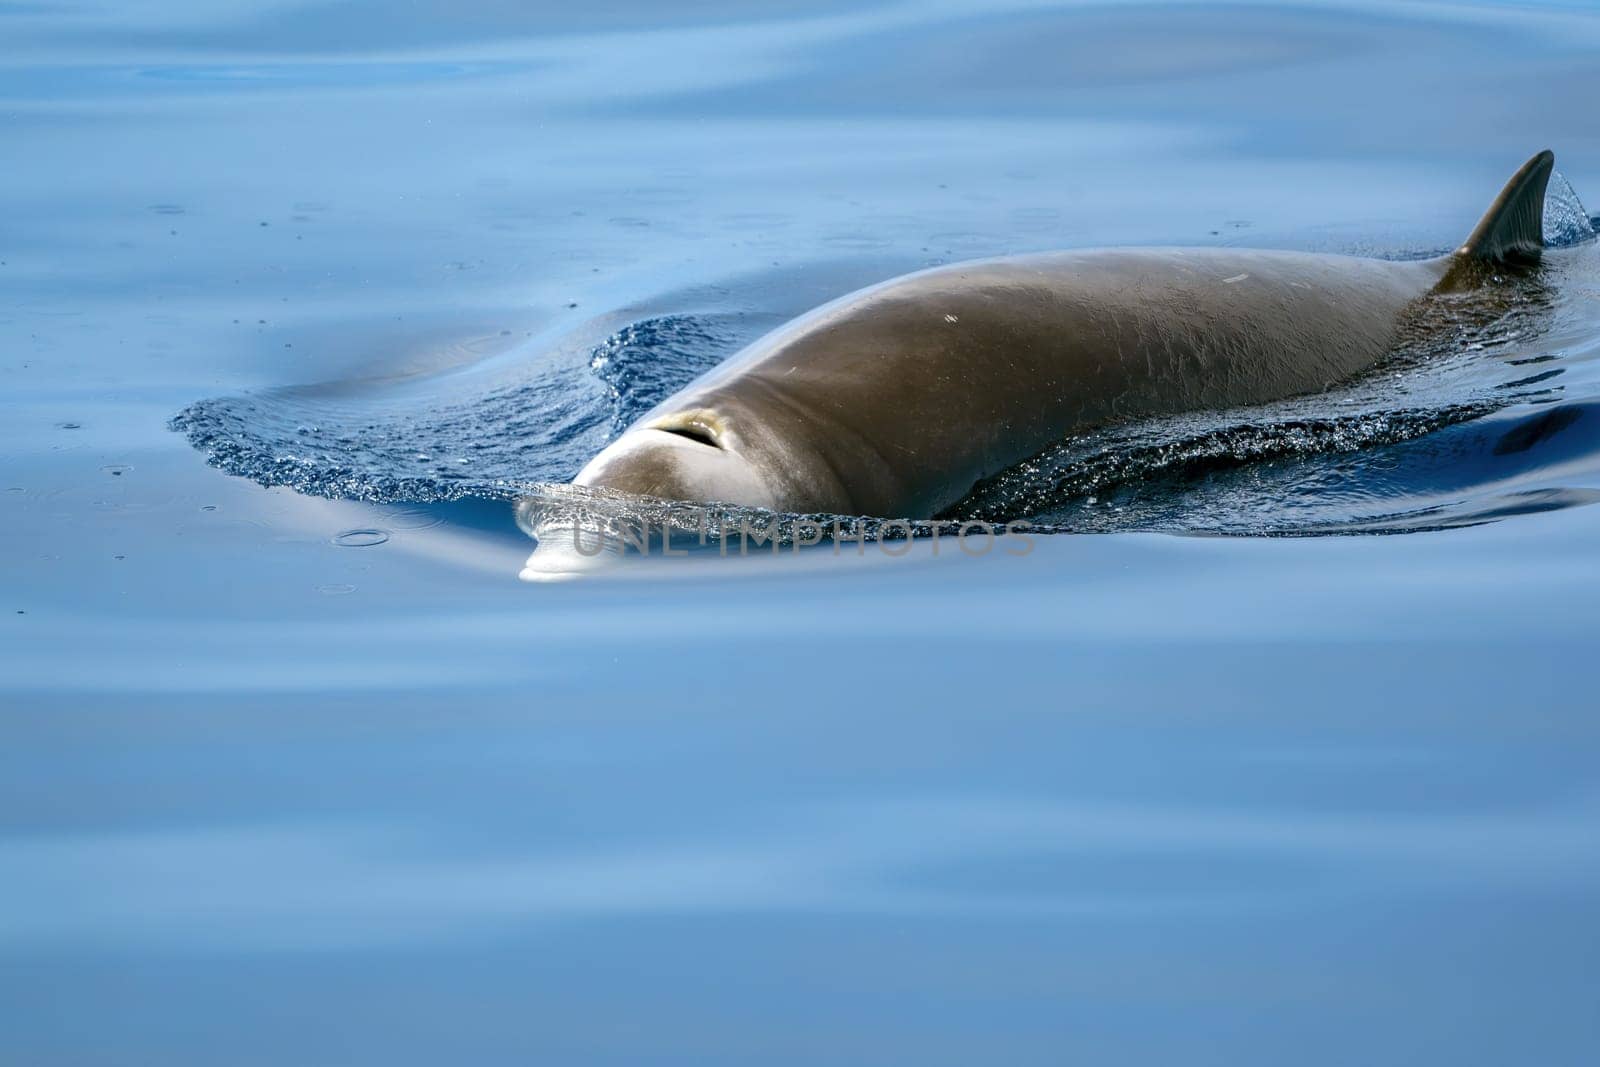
275 790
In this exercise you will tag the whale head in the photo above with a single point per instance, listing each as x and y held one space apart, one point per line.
686 455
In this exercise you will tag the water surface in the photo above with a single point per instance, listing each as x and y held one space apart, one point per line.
299 772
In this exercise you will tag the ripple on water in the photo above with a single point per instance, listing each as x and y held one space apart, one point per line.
412 518
364 538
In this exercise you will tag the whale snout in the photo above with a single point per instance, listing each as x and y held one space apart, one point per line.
568 551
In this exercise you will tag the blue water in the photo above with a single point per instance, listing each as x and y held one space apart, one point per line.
294 770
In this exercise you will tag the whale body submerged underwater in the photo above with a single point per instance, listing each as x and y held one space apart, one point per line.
897 399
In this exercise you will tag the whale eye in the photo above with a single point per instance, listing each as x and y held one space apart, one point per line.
694 432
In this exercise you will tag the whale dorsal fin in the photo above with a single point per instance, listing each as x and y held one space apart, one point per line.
1512 230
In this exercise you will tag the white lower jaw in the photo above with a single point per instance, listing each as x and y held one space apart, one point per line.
566 552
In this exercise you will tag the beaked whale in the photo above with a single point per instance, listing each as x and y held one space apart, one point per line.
897 399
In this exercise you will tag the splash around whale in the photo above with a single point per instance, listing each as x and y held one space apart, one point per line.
898 399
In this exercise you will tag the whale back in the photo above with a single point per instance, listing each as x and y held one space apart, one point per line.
897 399
907 393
